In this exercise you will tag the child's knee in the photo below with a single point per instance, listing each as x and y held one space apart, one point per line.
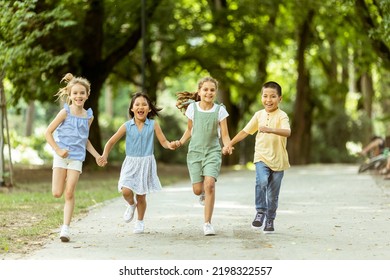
141 199
56 194
209 188
126 192
197 188
209 184
57 190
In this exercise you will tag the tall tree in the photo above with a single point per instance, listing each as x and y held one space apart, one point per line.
102 34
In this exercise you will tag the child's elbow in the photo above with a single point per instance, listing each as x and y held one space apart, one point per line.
47 134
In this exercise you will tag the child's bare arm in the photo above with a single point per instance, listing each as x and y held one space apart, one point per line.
239 137
112 141
187 133
61 116
278 131
162 139
227 148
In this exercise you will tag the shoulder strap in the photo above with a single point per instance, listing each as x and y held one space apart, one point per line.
89 113
66 107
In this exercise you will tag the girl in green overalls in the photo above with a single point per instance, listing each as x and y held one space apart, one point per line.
206 124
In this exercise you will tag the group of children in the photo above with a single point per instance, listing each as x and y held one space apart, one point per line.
68 133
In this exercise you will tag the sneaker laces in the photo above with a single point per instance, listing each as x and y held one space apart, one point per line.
258 216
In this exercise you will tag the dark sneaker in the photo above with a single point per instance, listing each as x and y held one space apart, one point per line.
258 221
269 226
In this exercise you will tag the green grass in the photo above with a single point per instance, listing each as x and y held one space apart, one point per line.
30 214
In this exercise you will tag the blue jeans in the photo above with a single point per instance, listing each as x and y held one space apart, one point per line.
268 184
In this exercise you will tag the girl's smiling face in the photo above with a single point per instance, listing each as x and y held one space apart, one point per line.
207 92
270 99
78 95
140 108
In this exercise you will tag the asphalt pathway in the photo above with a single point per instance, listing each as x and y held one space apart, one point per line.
326 212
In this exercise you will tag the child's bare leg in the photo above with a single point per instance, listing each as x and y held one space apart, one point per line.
197 188
209 188
141 206
71 183
128 195
58 182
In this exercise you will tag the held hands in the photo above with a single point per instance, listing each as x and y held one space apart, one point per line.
173 145
227 150
101 161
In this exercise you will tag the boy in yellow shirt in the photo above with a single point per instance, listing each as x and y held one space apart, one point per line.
270 158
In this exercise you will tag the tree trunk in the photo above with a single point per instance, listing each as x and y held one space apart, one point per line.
108 104
2 105
30 118
300 139
95 67
367 91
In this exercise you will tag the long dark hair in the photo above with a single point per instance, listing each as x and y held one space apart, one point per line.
153 108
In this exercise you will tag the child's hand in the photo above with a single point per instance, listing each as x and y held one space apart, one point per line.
227 150
62 153
101 161
177 143
172 145
265 129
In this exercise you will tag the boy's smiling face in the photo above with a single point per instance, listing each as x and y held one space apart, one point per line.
270 99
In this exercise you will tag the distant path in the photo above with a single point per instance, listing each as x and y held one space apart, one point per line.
326 212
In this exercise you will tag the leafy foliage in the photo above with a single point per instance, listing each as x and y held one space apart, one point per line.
241 43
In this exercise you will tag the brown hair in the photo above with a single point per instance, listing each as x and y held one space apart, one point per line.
185 98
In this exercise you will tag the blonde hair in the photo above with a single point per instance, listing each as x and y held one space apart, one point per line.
185 98
70 80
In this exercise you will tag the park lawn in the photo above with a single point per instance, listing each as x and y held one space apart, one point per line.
30 214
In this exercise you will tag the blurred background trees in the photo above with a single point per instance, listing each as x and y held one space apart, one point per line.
331 57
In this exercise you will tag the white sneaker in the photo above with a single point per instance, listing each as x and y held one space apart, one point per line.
139 227
202 198
208 229
129 213
64 234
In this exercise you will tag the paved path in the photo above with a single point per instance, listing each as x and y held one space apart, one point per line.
326 212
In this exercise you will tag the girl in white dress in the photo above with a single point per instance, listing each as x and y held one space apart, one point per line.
138 175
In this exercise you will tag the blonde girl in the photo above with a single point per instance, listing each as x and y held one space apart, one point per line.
68 134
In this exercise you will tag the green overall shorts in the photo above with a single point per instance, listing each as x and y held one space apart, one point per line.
204 157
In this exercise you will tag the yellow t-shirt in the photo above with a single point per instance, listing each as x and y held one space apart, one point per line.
270 148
